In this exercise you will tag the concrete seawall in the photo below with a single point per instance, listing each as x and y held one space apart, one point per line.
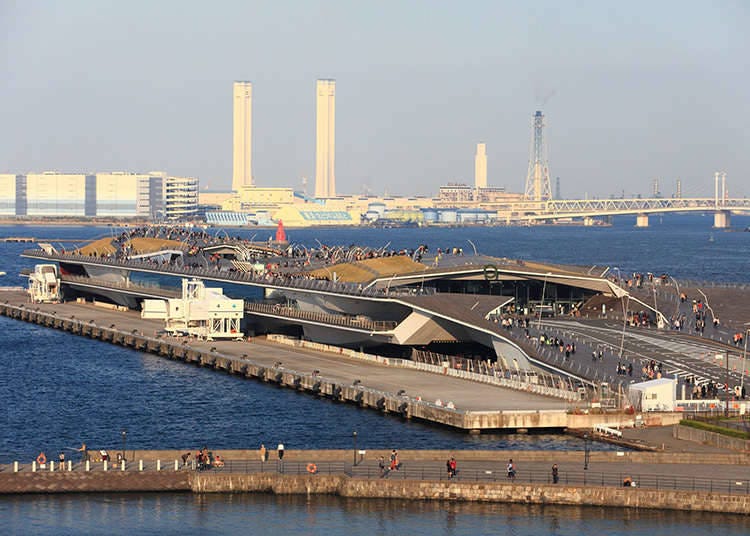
85 482
711 438
345 486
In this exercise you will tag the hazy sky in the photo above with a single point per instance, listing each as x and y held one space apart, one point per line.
632 90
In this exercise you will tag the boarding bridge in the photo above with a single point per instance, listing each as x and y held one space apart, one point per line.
201 312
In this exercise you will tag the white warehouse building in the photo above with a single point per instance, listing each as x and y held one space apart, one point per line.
154 195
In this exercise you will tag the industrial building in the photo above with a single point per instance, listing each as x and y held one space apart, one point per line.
50 194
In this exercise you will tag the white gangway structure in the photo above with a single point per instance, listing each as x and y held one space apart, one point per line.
201 312
44 284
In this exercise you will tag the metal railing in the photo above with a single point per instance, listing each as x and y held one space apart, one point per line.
134 287
215 271
424 472
323 318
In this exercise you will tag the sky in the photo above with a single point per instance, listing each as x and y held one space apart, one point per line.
631 91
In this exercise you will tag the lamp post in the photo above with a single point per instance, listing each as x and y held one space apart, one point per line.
541 305
744 362
677 286
586 451
726 388
354 439
124 435
625 308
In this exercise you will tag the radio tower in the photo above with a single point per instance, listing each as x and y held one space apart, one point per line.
537 179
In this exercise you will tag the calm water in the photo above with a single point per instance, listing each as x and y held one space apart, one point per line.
59 390
187 514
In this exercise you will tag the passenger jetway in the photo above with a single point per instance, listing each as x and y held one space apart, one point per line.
200 312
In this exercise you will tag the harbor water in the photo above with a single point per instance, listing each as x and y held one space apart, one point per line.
58 390
207 515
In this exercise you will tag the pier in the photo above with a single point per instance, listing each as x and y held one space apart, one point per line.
378 384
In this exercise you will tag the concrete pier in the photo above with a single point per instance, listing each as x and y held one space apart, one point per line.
641 220
387 389
722 219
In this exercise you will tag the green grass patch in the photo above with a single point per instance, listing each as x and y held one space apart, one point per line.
730 432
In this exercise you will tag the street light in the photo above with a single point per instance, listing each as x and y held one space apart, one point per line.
124 435
354 438
541 306
744 362
726 388
586 451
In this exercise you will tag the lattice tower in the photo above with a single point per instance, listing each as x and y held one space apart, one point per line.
538 186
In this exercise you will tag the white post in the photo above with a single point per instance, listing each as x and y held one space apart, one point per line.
158 465
716 189
15 467
105 465
33 466
88 465
122 465
70 465
51 467
176 465
140 465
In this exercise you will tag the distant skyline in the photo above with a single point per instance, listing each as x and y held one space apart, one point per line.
631 91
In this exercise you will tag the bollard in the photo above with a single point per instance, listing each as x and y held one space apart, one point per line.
122 465
140 465
88 465
51 467
106 465
33 467
15 467
176 465
70 465
158 465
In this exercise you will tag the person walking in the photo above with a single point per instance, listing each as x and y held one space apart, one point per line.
383 469
555 474
263 453
452 467
511 469
280 451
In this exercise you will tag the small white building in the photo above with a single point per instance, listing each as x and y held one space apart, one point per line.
654 395
200 312
44 284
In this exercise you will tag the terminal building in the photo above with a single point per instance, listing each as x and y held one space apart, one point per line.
156 195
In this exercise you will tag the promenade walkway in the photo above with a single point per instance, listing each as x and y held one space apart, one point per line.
533 467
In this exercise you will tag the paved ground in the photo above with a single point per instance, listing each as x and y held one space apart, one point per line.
466 395
680 353
661 438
